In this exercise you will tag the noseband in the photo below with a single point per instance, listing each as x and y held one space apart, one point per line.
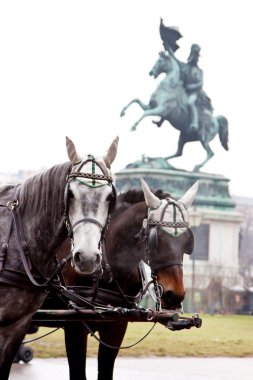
92 176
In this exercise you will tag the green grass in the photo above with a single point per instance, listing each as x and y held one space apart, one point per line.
219 336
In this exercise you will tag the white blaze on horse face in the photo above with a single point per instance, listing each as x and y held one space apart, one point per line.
92 205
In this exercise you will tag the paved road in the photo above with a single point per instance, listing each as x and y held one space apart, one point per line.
144 368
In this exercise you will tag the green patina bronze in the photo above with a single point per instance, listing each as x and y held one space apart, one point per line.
213 189
181 100
149 162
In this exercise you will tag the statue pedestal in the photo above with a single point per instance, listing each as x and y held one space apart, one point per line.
213 188
215 256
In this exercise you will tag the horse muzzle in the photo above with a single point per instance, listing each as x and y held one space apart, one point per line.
172 301
86 265
153 74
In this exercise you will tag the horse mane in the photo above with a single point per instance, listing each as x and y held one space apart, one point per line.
133 196
44 192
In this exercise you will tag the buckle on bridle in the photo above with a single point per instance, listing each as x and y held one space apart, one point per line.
11 205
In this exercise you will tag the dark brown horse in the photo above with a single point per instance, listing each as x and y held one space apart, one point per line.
156 231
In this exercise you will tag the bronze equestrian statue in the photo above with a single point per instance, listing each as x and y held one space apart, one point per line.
180 99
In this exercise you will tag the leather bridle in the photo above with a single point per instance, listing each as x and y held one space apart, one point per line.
94 177
150 232
149 235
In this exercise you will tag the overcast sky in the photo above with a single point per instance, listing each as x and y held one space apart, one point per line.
69 67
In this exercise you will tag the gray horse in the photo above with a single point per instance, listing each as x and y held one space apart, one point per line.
169 101
36 217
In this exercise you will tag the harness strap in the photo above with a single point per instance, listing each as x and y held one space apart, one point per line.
69 294
3 252
125 297
104 296
21 241
16 278
24 252
146 288
4 248
107 270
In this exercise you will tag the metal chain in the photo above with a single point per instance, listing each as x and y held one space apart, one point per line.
91 176
168 224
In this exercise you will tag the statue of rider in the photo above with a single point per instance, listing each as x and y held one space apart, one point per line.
192 77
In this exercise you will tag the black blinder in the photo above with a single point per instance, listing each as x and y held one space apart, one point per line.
153 239
190 244
65 199
113 201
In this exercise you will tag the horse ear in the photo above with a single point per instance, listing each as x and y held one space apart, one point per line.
73 156
110 155
189 196
151 200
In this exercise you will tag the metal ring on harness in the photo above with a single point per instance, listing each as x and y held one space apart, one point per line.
11 205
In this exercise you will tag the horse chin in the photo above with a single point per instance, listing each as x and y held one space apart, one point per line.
80 272
168 306
172 300
96 270
153 75
177 310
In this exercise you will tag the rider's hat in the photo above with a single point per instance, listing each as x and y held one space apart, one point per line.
195 52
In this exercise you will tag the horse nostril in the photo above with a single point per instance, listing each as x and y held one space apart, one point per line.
86 264
169 294
77 258
173 298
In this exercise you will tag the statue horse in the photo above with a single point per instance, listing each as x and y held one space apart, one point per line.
156 231
71 199
169 101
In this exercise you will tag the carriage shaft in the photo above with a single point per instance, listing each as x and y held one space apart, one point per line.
60 318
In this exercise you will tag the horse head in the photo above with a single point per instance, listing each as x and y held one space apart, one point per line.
89 199
162 65
169 237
